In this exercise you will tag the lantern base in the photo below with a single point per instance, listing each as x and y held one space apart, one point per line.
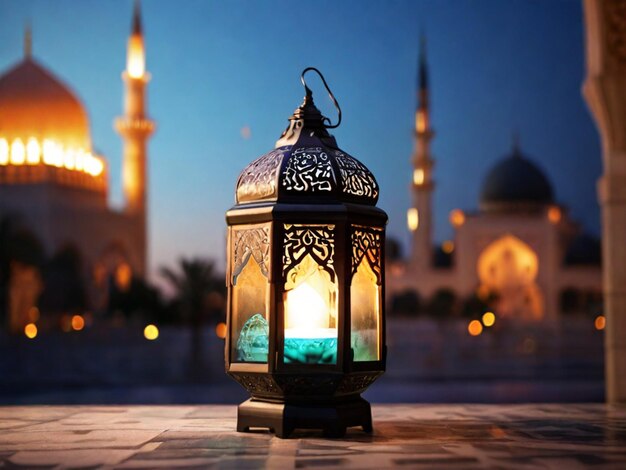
283 418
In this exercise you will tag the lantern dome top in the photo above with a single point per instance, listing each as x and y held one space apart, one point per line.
309 171
307 165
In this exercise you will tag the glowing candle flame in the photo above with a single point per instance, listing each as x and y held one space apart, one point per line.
307 314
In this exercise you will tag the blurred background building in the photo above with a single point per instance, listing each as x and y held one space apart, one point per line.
62 248
87 325
519 254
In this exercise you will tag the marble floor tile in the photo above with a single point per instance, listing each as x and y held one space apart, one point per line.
405 436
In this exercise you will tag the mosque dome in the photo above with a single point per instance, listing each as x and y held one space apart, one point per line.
515 183
35 103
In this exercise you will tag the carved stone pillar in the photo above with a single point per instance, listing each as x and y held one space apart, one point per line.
605 92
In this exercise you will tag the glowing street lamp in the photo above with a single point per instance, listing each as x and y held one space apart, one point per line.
305 323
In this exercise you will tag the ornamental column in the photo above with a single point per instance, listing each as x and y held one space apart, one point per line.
605 92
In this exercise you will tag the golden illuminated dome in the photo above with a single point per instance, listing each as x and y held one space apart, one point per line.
35 103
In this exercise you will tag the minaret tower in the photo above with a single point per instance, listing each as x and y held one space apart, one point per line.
420 214
135 128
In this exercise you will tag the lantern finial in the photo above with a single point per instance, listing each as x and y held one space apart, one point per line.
308 116
309 96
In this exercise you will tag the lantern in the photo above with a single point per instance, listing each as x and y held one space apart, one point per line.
305 276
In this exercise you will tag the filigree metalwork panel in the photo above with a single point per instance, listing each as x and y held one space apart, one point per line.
308 170
307 385
367 242
318 241
257 383
259 179
356 179
357 383
253 242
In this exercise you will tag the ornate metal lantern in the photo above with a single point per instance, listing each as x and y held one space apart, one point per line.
305 275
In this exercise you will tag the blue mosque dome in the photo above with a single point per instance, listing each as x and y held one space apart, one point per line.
515 183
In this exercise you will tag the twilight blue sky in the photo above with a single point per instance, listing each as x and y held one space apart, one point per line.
218 66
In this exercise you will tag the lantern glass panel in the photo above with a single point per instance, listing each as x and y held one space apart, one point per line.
365 300
310 301
250 330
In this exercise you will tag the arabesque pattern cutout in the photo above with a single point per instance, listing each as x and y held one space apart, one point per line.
367 241
318 241
253 242
356 179
308 170
258 180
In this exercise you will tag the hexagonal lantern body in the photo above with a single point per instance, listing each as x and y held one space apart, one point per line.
305 276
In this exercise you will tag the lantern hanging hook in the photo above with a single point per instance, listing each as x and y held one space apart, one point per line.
309 95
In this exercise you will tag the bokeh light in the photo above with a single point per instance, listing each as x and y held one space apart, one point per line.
30 330
220 330
447 247
475 328
600 322
554 214
457 218
489 319
151 332
78 322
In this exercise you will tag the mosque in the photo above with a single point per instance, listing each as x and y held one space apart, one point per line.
520 252
54 184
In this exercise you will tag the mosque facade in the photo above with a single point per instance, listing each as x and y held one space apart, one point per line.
519 253
54 185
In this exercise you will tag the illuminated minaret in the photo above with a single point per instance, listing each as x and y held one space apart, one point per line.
135 128
419 216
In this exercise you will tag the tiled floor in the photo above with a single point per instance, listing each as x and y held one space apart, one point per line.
409 436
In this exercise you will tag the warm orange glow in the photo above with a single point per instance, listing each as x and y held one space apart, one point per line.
420 121
554 214
600 322
69 160
123 276
310 302
418 176
151 332
30 330
474 328
457 218
49 152
447 246
365 311
4 152
33 151
136 59
509 267
307 314
412 219
18 152
78 322
220 330
489 319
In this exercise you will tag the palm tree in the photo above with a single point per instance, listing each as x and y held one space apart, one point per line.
193 284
